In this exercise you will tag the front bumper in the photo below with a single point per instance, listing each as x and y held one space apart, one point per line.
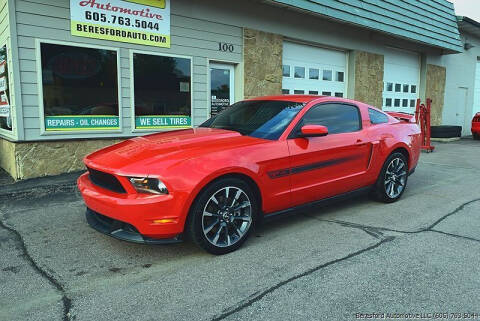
143 212
121 230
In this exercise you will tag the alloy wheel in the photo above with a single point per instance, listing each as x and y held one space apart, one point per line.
227 216
395 177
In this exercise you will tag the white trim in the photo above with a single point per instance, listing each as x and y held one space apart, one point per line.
345 75
132 89
223 64
38 55
17 132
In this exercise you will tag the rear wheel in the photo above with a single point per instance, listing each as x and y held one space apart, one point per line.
476 136
223 216
392 181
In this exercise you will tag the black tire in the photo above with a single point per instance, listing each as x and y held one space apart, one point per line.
382 189
476 136
232 213
446 131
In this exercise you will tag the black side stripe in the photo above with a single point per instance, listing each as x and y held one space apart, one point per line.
310 167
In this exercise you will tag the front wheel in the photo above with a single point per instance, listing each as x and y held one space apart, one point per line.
476 136
392 181
223 216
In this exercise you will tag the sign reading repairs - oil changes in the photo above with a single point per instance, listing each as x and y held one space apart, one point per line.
144 22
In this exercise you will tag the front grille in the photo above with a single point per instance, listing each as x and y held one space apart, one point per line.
113 224
106 181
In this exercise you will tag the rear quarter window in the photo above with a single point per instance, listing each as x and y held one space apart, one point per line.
377 117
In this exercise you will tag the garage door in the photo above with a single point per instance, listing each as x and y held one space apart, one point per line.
401 79
312 70
476 93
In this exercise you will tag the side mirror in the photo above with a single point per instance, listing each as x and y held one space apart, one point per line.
314 131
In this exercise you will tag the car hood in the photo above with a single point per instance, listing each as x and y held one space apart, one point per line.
147 154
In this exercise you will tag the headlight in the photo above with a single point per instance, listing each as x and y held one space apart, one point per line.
149 185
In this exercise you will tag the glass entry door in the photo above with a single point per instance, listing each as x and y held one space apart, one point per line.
222 92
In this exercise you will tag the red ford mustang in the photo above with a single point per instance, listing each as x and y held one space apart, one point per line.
258 158
476 126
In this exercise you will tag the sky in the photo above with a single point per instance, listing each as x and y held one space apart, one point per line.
469 8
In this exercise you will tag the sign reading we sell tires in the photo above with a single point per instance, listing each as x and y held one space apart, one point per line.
144 22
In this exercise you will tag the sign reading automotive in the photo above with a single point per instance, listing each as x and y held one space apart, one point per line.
144 22
158 122
66 123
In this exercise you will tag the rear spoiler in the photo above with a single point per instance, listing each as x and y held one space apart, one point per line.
409 118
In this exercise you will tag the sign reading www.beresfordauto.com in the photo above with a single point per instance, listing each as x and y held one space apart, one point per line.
145 22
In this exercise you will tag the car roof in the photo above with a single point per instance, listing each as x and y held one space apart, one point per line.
305 98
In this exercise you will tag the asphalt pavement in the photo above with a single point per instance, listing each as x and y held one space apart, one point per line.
351 260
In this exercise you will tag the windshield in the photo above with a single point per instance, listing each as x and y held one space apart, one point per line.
266 119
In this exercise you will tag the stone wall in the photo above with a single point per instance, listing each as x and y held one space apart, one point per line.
435 90
36 159
368 78
7 157
263 63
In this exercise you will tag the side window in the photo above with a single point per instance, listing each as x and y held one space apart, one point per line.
338 118
377 117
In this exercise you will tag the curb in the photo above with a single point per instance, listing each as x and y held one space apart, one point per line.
445 140
38 187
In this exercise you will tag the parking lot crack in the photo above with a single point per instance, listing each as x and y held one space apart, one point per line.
455 211
260 295
456 235
376 232
67 302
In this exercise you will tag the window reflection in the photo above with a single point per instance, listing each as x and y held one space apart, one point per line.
79 81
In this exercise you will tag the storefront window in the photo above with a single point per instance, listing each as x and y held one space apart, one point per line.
80 88
5 110
162 91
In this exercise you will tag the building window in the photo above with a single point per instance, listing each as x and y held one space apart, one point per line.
340 76
5 109
412 103
286 70
299 72
405 103
162 91
398 88
326 93
413 89
389 86
313 92
388 102
314 73
340 95
299 92
285 91
80 88
405 88
396 103
327 75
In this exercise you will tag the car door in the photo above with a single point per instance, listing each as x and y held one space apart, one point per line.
326 166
